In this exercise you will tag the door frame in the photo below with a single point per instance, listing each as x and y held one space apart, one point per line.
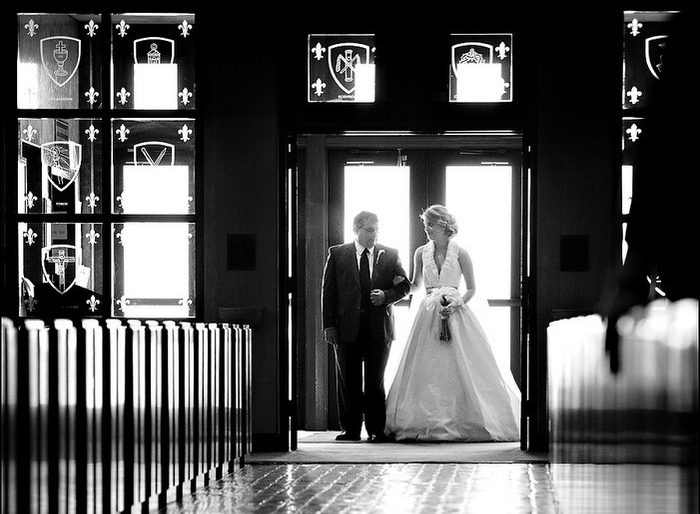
314 226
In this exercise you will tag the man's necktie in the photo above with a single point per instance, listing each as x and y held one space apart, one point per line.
364 281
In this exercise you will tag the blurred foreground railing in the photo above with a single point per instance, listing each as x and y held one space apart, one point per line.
119 416
608 428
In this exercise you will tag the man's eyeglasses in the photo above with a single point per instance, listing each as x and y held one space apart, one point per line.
370 230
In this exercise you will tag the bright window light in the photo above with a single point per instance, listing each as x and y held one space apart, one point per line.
156 269
155 190
155 86
27 85
393 209
364 82
626 188
479 82
480 199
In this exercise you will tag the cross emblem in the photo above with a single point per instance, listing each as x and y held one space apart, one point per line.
59 261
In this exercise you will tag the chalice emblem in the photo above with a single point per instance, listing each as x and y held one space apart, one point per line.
61 55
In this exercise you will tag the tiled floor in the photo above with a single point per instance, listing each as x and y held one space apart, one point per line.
270 485
377 488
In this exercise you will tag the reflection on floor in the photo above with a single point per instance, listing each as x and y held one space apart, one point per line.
270 484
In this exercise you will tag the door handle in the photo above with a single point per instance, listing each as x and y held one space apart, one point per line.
505 302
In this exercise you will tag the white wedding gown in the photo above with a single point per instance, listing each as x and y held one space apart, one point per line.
450 391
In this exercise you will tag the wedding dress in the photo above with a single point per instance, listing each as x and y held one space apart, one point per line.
450 390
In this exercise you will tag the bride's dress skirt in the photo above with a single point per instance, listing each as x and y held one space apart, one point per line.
451 390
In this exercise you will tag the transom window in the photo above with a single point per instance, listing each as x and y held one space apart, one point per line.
481 68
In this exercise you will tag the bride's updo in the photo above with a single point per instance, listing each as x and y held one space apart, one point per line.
439 215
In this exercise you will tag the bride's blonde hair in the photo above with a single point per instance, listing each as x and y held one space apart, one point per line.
439 215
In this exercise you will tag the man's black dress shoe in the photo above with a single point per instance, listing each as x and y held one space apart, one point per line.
378 438
345 436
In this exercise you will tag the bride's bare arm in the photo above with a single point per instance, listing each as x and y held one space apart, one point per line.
417 277
465 263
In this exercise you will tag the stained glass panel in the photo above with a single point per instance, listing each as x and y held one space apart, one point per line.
341 68
154 270
59 61
481 68
153 166
153 61
59 165
645 36
60 269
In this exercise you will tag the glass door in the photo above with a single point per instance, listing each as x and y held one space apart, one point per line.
482 189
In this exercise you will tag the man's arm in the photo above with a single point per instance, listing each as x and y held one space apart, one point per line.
329 299
401 286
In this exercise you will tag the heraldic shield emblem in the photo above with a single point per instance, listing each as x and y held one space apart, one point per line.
59 264
60 56
343 59
154 50
654 55
154 153
471 53
61 160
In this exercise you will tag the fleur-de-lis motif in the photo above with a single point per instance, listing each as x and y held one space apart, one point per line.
185 26
634 132
92 303
31 303
120 236
502 50
123 95
31 28
318 51
318 87
92 200
184 301
123 132
123 302
30 236
91 27
120 201
92 236
634 95
91 95
185 95
29 133
635 25
91 132
185 133
122 27
29 199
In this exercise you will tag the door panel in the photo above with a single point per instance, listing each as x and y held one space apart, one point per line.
480 188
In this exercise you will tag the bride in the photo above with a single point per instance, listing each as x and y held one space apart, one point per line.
448 386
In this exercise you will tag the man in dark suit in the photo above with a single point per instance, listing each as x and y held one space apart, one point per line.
357 298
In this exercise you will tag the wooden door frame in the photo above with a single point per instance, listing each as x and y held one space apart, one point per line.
314 228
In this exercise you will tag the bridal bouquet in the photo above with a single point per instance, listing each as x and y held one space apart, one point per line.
444 324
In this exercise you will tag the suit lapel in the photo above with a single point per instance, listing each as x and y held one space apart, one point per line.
352 261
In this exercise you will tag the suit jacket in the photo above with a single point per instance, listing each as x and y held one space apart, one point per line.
341 291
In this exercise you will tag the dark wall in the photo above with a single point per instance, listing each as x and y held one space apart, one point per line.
239 85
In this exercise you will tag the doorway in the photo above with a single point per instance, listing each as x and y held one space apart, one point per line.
479 177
